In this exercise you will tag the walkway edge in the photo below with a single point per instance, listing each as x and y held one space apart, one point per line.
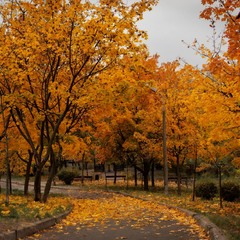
34 228
213 230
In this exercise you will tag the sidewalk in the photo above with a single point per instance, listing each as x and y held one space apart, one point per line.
113 229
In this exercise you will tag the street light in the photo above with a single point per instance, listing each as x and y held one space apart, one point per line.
164 132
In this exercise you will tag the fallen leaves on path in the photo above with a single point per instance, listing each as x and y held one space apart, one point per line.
136 212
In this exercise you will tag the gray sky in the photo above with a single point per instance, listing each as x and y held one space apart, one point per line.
172 21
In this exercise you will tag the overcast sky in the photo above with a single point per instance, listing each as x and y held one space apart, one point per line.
172 21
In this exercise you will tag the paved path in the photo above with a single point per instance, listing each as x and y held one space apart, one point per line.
113 230
143 226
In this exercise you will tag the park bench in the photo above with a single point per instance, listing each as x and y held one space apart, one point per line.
79 178
117 177
174 178
183 179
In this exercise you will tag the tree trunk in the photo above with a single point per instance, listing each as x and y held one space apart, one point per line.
145 181
220 185
135 176
194 178
178 176
86 167
28 170
37 185
48 185
27 179
82 178
7 172
146 169
10 179
5 121
152 175
126 174
115 173
165 162
52 174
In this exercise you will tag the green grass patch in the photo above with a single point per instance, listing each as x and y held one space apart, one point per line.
230 224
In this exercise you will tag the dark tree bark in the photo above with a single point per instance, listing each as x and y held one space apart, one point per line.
37 185
194 176
146 170
115 173
28 172
178 175
51 176
152 175
135 176
220 185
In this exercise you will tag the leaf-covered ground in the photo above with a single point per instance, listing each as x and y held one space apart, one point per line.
226 218
121 208
101 206
108 213
99 210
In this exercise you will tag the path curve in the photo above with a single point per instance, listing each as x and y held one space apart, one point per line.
140 225
122 217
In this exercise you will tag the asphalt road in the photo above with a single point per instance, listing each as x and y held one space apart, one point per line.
167 230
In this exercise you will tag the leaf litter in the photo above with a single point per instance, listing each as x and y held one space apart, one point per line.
136 212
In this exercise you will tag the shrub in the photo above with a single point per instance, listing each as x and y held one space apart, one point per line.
230 191
206 190
67 176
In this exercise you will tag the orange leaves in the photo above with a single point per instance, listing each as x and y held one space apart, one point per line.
120 208
236 162
126 106
225 11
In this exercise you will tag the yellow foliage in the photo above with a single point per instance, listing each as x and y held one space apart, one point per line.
236 162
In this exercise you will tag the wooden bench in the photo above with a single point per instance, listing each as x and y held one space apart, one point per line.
79 178
182 179
117 177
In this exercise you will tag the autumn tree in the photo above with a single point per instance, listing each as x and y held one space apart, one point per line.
222 74
127 122
219 85
175 87
50 52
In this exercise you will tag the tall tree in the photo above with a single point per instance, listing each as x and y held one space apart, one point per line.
126 125
222 73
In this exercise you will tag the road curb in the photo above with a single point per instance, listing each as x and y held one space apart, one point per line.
33 228
213 230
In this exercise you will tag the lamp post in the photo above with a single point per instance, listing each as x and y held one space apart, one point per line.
164 133
164 126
